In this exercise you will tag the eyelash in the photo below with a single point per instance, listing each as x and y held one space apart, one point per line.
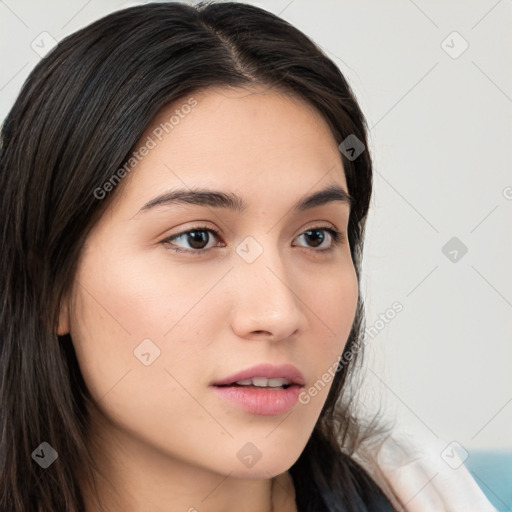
337 239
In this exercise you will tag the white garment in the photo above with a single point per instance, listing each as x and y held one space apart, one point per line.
421 473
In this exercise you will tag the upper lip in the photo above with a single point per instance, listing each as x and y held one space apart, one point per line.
270 371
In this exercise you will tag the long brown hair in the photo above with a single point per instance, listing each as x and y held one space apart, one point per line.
74 124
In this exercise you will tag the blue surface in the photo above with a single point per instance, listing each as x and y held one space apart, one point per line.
492 470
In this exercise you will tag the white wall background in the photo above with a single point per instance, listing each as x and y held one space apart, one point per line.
441 129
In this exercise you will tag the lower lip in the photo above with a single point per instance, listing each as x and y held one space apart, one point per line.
263 401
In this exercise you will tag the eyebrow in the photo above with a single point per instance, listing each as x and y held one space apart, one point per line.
219 199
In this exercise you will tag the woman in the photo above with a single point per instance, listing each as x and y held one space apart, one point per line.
184 196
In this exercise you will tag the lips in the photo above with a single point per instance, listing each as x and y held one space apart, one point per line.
269 371
259 399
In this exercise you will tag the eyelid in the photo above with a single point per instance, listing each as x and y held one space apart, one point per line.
318 224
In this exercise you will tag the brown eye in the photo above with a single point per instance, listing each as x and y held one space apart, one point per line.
195 240
317 238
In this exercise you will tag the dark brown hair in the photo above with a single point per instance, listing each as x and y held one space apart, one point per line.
74 124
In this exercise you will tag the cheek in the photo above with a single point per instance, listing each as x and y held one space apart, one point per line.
126 314
334 303
141 330
140 343
332 306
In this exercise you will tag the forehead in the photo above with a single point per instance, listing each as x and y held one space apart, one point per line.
227 138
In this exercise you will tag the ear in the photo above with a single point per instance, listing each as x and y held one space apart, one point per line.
63 327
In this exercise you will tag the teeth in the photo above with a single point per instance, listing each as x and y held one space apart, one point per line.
274 383
263 382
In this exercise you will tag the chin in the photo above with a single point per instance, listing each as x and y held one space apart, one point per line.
260 471
265 467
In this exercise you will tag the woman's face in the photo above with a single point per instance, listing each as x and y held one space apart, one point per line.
153 328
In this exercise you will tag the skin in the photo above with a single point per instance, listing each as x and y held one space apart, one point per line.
161 436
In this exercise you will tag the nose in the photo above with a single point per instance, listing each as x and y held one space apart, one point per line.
266 304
